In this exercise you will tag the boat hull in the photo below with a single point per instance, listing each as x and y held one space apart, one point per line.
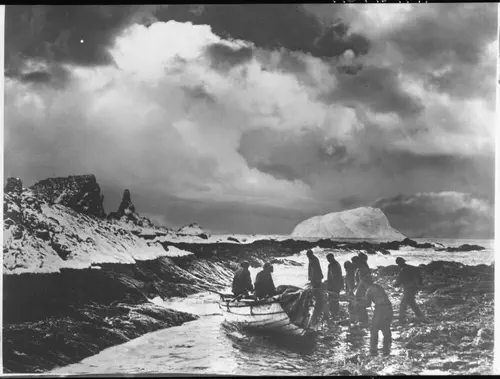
267 317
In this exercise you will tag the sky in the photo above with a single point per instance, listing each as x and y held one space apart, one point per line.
252 118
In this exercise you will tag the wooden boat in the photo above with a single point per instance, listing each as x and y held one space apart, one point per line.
266 315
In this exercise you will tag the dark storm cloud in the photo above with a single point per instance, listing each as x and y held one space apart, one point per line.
54 32
271 26
441 215
292 156
377 87
440 34
474 175
223 56
452 59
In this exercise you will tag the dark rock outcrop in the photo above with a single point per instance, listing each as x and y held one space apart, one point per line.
36 346
126 212
13 185
464 247
81 193
126 209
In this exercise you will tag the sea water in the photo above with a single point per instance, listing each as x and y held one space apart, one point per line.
209 346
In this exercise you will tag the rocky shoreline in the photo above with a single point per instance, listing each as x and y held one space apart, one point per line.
457 339
48 326
56 319
77 280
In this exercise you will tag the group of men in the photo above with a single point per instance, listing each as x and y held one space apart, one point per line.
264 284
358 286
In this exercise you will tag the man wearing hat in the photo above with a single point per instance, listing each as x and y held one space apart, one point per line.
315 274
264 284
411 279
335 284
242 282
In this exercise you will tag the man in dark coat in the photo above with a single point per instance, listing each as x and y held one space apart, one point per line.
242 282
411 279
264 284
315 276
335 284
363 272
382 315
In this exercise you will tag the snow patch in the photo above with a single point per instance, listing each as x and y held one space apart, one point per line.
175 252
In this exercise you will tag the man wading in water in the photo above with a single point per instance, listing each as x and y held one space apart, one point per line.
411 279
242 282
315 276
363 272
382 315
335 283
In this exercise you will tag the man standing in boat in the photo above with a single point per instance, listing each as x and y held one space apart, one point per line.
264 284
411 279
242 282
315 276
335 284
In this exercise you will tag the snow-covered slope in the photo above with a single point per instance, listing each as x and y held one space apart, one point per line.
363 222
42 235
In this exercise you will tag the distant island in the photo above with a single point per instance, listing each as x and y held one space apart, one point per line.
362 222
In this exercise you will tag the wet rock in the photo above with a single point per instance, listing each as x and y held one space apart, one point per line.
412 243
465 247
43 234
391 270
59 341
286 262
17 232
485 333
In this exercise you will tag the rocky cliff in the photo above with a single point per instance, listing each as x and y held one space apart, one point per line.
363 222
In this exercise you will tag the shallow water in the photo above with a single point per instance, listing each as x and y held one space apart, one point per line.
210 346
